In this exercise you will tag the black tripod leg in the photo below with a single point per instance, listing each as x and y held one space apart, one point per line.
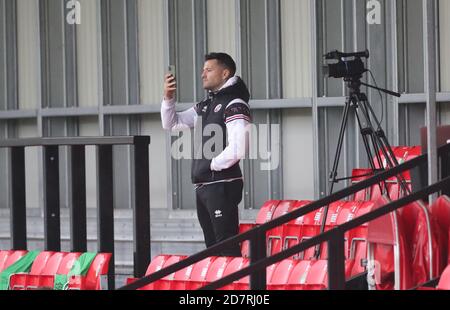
333 173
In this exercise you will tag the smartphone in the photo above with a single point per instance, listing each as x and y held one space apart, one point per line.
172 70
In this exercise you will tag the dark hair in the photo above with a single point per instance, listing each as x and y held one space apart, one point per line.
223 59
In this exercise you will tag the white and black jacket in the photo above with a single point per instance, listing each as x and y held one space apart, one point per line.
228 109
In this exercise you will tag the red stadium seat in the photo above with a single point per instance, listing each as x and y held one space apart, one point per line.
166 282
13 257
92 281
18 281
275 236
389 257
237 264
3 258
444 282
281 274
265 214
199 272
156 264
51 268
359 175
440 210
217 269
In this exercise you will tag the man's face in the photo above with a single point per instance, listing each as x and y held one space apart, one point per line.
214 75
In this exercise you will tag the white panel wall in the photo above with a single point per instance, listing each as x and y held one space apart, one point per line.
89 54
298 174
28 57
444 31
88 127
222 26
296 48
151 125
151 50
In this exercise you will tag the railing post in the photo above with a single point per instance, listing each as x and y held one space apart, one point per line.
78 229
258 252
105 196
18 205
52 222
141 209
336 262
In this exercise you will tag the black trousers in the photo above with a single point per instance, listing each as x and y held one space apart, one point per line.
218 214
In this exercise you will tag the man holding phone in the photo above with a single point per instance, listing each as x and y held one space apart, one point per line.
216 175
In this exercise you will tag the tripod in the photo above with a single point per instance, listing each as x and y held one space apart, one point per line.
374 140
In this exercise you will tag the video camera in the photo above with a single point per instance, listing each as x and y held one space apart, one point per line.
349 65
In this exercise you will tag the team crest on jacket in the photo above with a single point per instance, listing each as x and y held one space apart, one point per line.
218 107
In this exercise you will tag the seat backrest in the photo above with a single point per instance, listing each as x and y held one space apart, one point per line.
53 264
67 262
317 277
217 268
40 262
444 282
99 267
157 264
3 258
390 259
14 257
281 273
441 209
236 264
297 278
266 212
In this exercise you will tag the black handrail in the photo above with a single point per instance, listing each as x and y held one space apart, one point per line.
258 279
78 227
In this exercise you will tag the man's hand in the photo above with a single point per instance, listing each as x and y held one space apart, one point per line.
170 87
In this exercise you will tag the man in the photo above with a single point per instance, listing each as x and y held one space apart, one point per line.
217 176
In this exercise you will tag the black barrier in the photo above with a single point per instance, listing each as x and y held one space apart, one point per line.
334 237
105 215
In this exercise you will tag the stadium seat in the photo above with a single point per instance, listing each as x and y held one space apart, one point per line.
92 281
166 282
156 264
217 269
265 214
237 264
297 278
13 257
4 254
18 281
33 281
275 236
440 210
389 257
359 175
281 274
444 282
199 272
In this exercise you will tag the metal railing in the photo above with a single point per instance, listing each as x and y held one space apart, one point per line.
335 237
77 179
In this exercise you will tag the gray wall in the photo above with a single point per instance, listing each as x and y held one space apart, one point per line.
104 77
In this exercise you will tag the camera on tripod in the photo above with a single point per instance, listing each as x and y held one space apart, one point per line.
349 65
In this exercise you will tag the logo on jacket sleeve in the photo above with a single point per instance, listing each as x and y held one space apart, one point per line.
217 108
218 213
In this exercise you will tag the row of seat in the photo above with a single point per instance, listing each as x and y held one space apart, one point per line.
309 225
399 251
288 274
48 264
